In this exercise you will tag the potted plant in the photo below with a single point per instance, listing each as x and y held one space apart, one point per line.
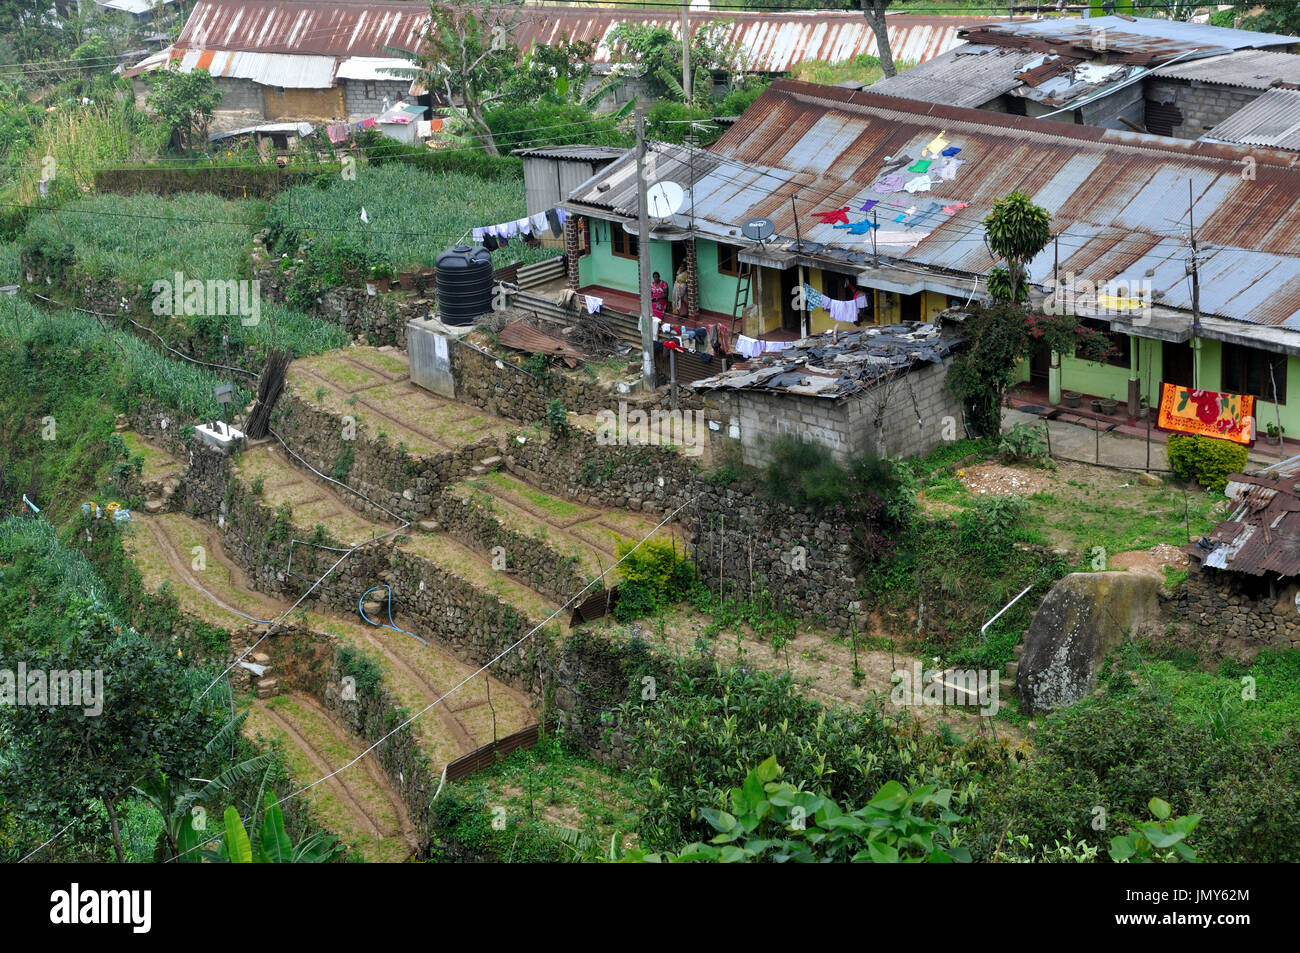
407 280
1071 398
1275 433
381 274
1144 407
1109 405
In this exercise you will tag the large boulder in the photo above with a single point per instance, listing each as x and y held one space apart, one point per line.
1083 618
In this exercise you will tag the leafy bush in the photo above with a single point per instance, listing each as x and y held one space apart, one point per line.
656 567
516 127
1207 460
1023 443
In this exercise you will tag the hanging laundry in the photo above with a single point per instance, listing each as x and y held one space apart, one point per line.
889 183
368 122
847 311
910 211
747 346
920 184
812 297
539 224
869 204
337 132
838 215
435 125
948 170
365 219
859 228
935 146
775 345
490 241
920 165
931 210
523 226
910 239
512 229
951 151
564 216
553 220
594 304
478 234
955 208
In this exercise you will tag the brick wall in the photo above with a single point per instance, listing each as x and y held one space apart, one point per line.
360 105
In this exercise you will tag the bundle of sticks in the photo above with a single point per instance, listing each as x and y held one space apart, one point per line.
595 337
269 387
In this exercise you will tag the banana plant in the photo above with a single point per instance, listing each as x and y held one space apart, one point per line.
272 844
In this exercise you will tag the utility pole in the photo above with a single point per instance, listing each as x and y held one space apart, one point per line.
643 255
686 52
1196 284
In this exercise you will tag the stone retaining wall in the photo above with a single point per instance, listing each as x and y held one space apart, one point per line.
1224 618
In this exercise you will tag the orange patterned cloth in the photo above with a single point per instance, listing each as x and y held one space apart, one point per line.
1207 413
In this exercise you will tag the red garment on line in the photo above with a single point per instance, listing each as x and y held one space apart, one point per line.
837 217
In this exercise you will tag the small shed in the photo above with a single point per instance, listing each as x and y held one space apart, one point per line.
552 172
878 390
402 122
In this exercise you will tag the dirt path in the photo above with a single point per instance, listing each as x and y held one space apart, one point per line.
364 808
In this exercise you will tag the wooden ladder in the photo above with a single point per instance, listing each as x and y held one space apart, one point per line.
744 287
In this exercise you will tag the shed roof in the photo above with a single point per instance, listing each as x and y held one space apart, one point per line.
573 153
1119 200
1263 533
321 27
839 365
1248 69
1271 120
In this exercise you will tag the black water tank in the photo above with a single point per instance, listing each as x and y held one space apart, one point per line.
464 284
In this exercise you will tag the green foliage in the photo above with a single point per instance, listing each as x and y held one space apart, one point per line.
321 224
654 573
557 418
1157 841
1017 230
272 844
1022 443
343 462
766 819
703 725
553 124
1207 460
657 55
184 103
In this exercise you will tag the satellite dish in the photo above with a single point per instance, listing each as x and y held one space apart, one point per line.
664 199
758 229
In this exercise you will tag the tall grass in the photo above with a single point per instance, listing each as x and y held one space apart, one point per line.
70 349
139 239
413 215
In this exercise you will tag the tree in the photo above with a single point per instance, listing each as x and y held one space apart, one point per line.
1269 16
874 11
184 101
1016 230
657 55
270 845
469 56
555 73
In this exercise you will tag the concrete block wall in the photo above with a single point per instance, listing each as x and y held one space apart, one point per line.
360 105
1203 105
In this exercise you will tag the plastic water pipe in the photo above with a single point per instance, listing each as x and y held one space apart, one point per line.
985 626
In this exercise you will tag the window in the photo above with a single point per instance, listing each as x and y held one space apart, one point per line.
1120 352
728 260
369 90
1246 370
623 244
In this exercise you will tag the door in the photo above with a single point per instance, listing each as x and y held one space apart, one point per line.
1177 363
790 315
1040 362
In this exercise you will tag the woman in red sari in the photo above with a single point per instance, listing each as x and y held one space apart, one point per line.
658 296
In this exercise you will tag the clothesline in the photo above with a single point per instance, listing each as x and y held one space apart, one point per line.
531 227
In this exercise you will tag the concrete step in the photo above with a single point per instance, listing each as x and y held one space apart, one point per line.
1010 670
267 687
491 462
1007 687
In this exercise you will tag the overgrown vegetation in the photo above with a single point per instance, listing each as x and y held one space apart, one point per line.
1207 460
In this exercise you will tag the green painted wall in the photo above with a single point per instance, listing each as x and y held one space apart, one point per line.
603 267
717 291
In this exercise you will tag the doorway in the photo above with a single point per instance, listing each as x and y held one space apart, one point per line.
1176 362
791 316
1040 364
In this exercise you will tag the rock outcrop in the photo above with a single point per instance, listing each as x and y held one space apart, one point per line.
1083 618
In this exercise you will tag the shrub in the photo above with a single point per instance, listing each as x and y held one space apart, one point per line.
1023 443
1207 460
657 566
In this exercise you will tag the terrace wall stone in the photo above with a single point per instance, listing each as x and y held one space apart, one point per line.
1223 618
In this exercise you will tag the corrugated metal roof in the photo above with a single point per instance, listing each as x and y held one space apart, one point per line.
1249 69
1264 534
574 153
270 69
1119 199
771 42
373 68
330 28
1271 120
969 75
1121 35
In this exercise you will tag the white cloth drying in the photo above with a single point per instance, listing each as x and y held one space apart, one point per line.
594 304
539 223
747 346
